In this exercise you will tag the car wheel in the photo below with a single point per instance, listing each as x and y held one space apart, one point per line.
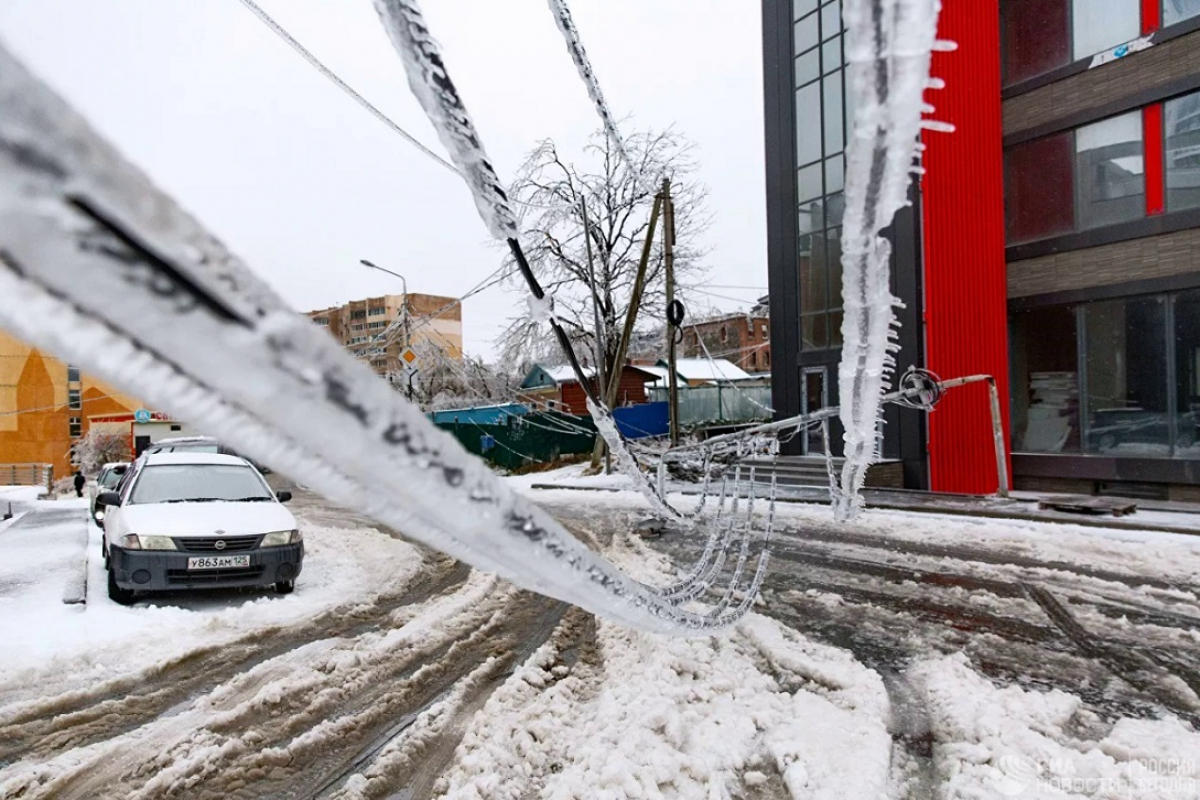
285 587
118 595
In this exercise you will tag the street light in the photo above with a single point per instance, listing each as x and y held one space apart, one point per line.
407 316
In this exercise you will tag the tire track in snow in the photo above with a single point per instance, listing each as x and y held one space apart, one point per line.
109 709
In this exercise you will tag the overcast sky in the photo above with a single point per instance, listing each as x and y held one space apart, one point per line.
302 183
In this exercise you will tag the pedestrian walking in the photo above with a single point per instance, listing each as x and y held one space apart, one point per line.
79 483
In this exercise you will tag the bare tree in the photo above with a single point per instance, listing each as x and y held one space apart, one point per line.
556 197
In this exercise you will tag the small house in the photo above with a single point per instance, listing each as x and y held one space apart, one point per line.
558 389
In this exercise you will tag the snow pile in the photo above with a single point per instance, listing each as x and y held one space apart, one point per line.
753 709
1008 742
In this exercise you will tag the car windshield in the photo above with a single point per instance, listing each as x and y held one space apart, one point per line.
180 483
109 478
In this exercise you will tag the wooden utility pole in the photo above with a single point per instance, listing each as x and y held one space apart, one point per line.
635 301
672 321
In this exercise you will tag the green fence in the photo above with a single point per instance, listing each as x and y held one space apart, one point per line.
539 437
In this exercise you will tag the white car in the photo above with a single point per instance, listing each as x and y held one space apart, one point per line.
107 480
197 520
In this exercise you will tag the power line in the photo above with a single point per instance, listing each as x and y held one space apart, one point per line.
341 84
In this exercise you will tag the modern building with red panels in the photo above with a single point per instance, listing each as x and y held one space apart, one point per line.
1054 241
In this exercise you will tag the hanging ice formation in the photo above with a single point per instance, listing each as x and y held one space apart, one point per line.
888 49
562 18
100 267
435 91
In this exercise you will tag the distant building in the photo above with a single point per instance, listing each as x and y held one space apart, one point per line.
47 404
433 321
699 372
557 388
744 339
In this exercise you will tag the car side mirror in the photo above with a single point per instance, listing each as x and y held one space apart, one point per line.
284 496
108 499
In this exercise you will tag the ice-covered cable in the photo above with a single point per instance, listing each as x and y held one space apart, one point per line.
435 91
100 267
566 25
888 47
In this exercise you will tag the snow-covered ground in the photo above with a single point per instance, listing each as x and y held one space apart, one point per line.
50 645
391 672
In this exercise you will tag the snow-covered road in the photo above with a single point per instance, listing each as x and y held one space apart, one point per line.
906 657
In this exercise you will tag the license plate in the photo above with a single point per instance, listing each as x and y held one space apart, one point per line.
218 562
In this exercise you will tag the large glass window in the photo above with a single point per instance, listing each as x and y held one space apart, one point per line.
1041 35
1038 194
1037 37
1187 374
1110 172
1182 126
1099 25
821 132
1126 384
1178 10
1045 381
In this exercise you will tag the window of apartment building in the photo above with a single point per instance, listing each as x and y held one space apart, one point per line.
1041 35
72 373
1181 118
1038 36
74 399
359 314
1114 377
321 320
75 427
1090 177
376 311
822 120
1178 10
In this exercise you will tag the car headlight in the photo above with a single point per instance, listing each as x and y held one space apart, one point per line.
278 538
99 513
157 543
130 541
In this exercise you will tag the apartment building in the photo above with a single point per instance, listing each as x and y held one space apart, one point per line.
422 321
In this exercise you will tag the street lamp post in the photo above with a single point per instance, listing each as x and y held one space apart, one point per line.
407 315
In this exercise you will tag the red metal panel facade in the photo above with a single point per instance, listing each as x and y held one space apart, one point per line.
1152 122
963 206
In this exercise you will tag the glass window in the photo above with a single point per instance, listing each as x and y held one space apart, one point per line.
1126 387
835 209
72 373
812 217
1187 374
810 183
808 124
178 483
808 67
834 252
813 283
1044 364
835 173
831 20
1099 25
805 34
1036 37
75 427
74 399
1182 124
835 139
813 331
835 328
831 55
1110 173
1179 10
1038 192
802 7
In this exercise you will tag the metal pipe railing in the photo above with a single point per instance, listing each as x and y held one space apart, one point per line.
1002 488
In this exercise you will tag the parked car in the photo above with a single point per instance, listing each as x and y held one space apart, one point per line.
107 480
197 444
197 520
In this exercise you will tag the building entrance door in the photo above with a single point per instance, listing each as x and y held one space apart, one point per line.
814 398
